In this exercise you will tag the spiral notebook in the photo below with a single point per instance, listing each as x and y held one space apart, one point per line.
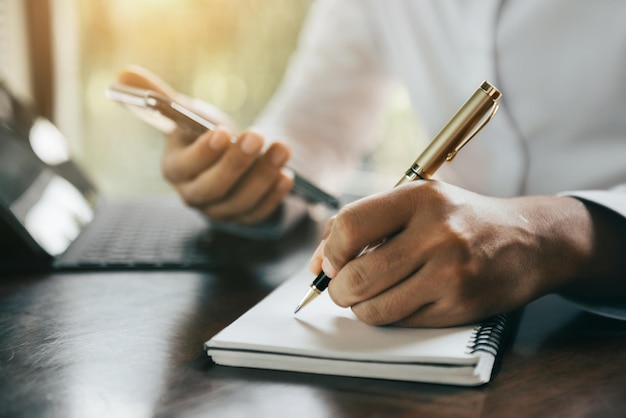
327 339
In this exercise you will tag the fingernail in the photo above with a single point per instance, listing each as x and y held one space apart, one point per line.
288 172
328 268
251 144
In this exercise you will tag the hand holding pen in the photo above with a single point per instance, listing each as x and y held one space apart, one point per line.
387 218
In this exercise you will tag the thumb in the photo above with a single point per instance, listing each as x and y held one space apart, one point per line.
136 76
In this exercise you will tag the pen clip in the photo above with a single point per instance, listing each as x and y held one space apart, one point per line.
453 153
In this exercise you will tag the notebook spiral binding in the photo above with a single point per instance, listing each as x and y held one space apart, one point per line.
488 336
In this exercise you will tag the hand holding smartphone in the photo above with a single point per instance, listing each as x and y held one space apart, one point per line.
165 114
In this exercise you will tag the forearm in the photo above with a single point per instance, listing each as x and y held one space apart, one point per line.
601 271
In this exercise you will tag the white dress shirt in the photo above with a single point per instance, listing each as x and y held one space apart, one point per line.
560 64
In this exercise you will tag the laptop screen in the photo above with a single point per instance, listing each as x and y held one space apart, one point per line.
49 207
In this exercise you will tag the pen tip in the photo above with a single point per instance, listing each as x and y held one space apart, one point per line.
297 309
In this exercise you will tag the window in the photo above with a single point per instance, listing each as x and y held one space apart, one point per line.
13 48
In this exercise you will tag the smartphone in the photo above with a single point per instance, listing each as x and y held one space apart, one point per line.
165 115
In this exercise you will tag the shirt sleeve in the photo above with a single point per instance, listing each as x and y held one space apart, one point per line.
332 96
615 200
615 311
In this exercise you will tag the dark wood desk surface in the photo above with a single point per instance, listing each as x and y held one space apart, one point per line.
130 345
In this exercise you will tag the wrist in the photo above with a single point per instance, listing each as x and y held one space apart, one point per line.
563 231
584 242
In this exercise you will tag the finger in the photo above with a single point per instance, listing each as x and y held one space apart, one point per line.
258 192
270 202
184 162
431 297
452 306
379 270
217 182
140 77
260 189
413 300
367 222
315 265
180 138
328 227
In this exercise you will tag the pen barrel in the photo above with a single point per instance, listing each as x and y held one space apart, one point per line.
459 129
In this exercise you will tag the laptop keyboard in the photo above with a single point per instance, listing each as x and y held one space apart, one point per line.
143 234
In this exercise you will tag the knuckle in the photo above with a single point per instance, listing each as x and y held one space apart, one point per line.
423 192
352 289
462 248
457 239
329 226
337 297
370 313
357 280
348 223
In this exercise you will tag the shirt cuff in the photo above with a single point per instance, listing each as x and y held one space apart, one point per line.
610 310
614 199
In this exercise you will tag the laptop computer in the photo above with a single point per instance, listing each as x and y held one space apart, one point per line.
52 216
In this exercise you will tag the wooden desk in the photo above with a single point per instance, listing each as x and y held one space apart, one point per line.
130 345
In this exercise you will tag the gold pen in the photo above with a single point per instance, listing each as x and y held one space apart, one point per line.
459 130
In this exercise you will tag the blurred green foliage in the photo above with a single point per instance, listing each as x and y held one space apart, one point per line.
231 53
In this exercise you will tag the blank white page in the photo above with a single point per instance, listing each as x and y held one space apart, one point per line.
322 329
